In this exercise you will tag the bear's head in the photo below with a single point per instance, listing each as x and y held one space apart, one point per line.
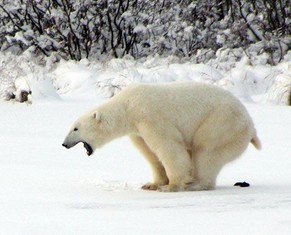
91 129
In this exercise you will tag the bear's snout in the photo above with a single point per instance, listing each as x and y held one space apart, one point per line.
65 145
87 146
69 143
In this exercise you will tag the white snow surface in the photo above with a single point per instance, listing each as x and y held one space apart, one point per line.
250 80
47 189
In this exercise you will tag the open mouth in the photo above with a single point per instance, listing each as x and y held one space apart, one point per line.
88 148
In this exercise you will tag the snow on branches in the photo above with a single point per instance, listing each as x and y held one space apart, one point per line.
89 29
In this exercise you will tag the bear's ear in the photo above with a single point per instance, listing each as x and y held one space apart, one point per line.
97 116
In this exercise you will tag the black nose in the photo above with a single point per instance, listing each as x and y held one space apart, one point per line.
64 145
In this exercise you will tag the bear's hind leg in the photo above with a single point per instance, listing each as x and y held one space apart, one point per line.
208 163
159 174
206 170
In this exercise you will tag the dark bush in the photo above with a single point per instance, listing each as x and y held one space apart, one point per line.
89 29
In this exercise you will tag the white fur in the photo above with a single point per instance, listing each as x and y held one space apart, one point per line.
186 131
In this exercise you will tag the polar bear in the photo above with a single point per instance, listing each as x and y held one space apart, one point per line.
187 131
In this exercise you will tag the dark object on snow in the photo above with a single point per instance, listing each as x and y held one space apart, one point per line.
24 96
242 184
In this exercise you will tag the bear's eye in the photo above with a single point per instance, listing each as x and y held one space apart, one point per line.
75 129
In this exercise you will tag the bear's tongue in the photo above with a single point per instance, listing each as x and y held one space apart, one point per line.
88 148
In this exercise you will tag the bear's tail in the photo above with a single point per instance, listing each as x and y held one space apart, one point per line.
256 142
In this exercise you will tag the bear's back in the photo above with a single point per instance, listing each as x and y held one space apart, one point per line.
172 101
179 93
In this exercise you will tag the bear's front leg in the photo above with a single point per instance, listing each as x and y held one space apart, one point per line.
153 186
159 174
159 177
168 147
177 164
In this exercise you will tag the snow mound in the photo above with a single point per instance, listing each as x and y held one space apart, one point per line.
280 91
88 80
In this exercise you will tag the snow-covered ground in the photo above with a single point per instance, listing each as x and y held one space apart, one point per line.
250 79
47 189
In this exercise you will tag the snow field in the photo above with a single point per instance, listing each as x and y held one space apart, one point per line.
47 189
